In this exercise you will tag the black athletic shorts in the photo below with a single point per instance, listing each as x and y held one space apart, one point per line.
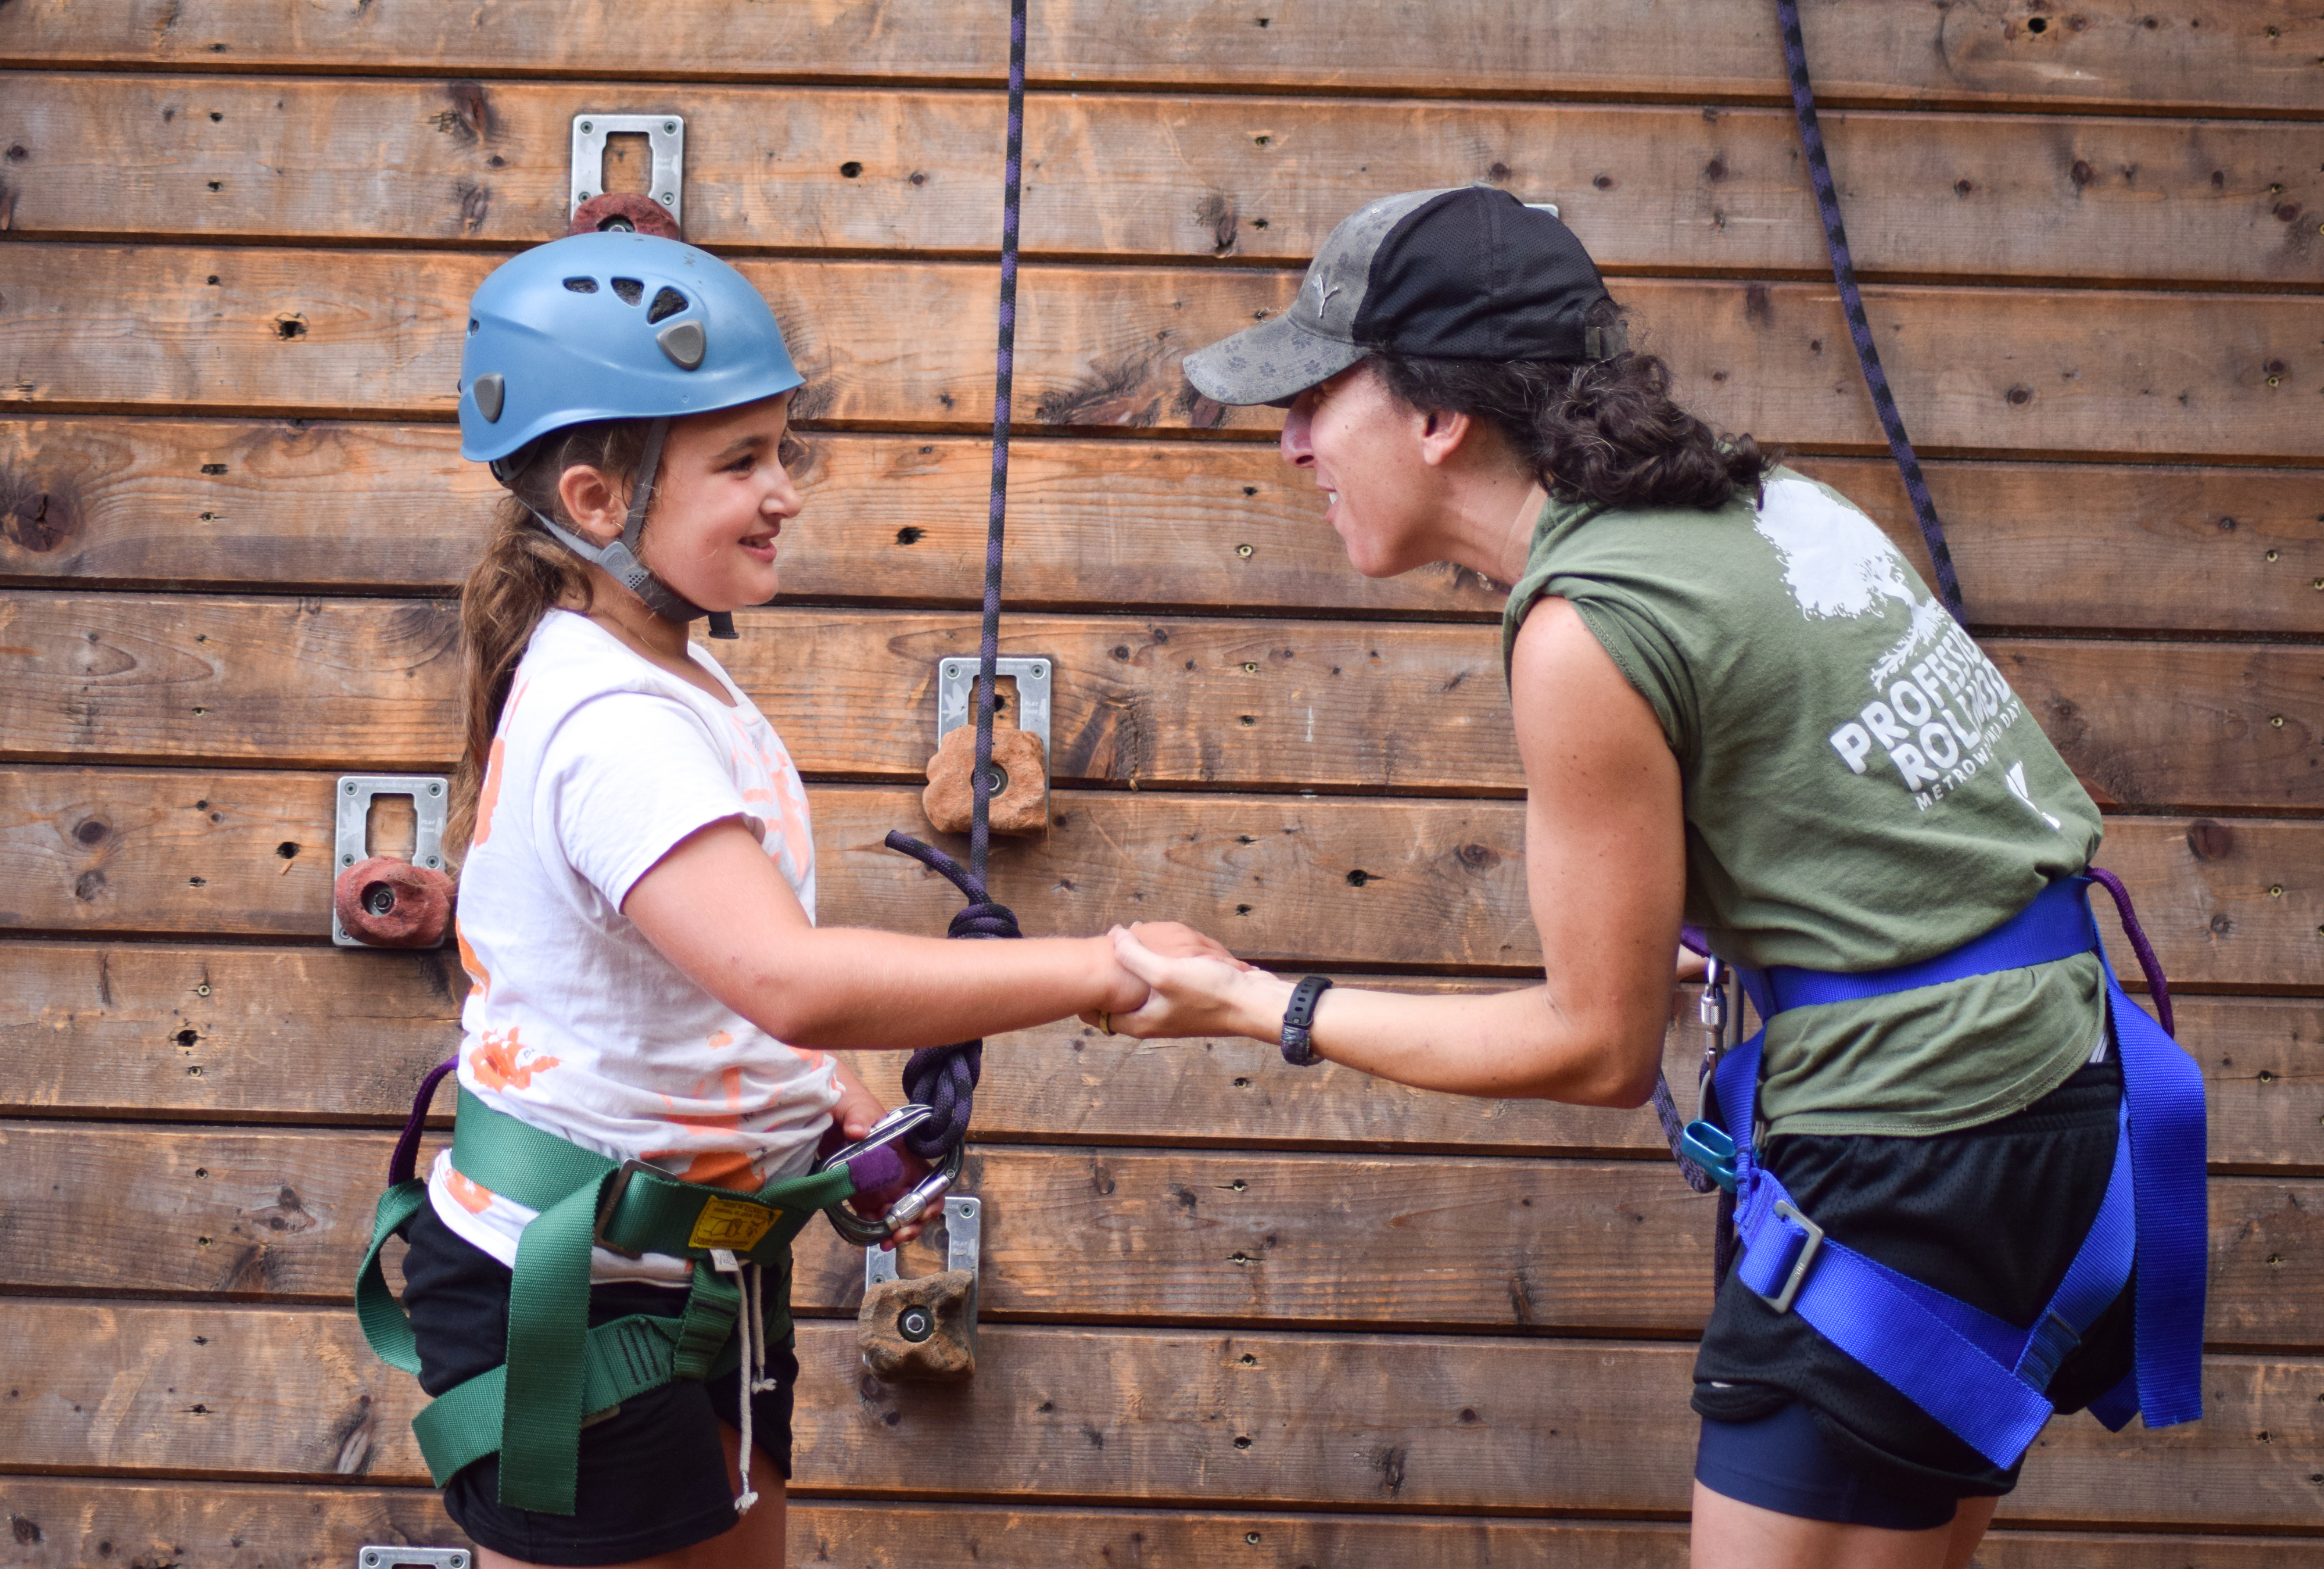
653 1475
1992 1214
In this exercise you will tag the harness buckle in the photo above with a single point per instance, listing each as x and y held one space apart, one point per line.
613 1201
1707 1144
1812 1245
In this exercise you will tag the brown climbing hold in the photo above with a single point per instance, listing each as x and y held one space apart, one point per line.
919 1331
1021 804
624 209
385 902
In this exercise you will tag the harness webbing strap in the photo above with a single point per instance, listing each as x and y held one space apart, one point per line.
1984 1379
619 1360
2168 1147
1860 326
537 1399
547 1322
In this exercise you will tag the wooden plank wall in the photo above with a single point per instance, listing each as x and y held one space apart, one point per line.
1234 1315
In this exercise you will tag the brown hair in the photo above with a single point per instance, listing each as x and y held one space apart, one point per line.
524 574
1602 430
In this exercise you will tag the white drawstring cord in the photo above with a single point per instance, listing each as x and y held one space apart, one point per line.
749 1372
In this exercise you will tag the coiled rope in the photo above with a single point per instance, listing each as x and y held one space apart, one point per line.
945 1077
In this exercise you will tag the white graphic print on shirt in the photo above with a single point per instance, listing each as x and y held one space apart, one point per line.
1938 706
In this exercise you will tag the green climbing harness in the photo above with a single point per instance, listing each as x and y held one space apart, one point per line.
559 1373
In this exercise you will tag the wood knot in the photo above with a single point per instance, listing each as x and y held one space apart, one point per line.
2210 841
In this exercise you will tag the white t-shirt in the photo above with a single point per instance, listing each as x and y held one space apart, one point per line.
574 1022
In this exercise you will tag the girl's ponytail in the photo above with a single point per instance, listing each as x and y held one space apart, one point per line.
523 575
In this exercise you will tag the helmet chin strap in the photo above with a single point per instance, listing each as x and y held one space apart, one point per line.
620 559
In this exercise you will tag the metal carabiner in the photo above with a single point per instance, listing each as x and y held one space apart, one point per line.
914 1204
1712 1008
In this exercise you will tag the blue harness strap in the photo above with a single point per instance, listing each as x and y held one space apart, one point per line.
1986 1380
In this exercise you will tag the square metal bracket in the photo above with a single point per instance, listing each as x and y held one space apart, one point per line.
401 1558
956 695
964 1239
665 138
431 801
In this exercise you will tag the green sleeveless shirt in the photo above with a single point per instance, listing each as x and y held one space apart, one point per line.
1862 790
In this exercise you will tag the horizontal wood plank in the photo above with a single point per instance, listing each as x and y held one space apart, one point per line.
1119 1417
231 1035
2256 58
92 851
128 503
290 1527
1082 1236
374 684
1657 188
2005 373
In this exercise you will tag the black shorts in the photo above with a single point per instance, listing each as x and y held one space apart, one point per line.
1992 1214
653 1474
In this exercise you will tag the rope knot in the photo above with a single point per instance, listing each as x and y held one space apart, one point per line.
944 1077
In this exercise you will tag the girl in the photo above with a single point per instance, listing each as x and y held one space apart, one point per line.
1735 702
637 916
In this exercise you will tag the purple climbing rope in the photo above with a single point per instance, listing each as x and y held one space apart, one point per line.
405 1161
1012 184
944 1077
1867 352
2151 966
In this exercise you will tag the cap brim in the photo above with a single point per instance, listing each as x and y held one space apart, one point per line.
1271 363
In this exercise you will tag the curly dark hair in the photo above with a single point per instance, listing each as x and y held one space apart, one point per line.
1603 430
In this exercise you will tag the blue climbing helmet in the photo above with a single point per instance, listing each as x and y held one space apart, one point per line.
612 325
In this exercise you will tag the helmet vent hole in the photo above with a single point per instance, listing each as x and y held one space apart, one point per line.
630 290
581 285
668 302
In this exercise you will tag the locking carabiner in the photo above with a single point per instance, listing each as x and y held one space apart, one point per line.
914 1204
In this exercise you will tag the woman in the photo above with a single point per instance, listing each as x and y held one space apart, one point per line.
1734 704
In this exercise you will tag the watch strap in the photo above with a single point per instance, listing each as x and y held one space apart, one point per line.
1299 1020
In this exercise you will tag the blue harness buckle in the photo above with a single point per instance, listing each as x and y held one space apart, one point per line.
1802 1245
1708 1146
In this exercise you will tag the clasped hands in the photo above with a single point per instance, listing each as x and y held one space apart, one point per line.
1171 980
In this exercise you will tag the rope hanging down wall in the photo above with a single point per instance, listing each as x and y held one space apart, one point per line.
1900 446
1867 353
944 1077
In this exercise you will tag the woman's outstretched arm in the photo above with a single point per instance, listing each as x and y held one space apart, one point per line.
718 908
1605 872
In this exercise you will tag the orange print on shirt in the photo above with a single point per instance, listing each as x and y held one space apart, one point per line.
796 837
488 794
495 1062
477 973
472 1196
718 1038
714 1167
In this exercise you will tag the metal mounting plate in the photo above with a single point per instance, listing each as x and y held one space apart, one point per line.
665 138
964 1239
956 695
400 1557
431 800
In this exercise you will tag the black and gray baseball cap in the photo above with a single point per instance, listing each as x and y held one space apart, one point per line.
1468 273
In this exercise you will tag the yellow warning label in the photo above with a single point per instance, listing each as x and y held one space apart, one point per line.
730 1223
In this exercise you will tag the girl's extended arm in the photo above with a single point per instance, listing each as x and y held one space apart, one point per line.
719 910
1606 871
